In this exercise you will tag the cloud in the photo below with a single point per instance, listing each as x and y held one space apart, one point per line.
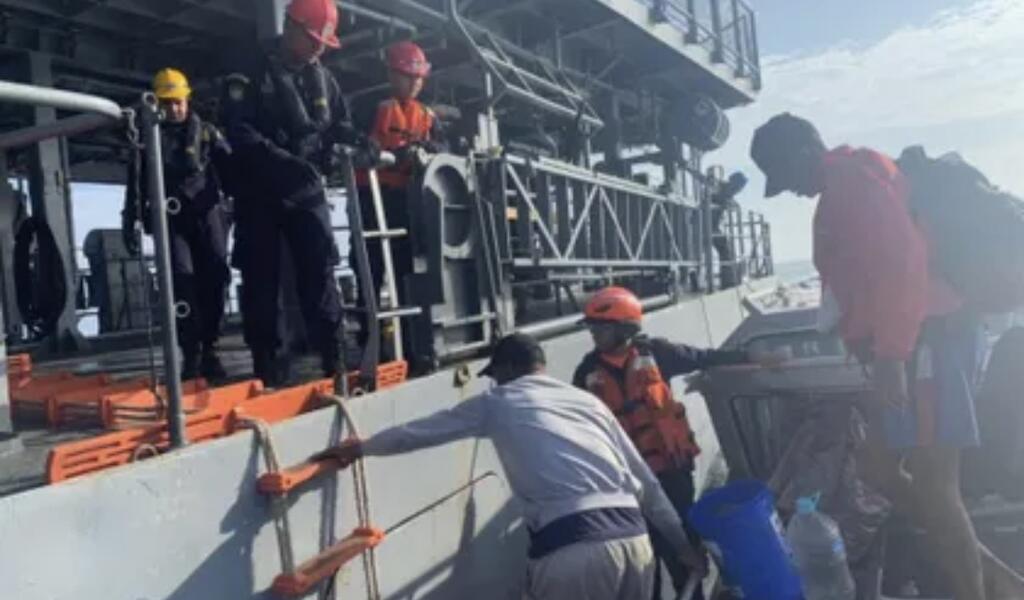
954 83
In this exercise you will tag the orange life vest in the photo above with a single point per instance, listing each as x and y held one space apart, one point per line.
397 125
633 388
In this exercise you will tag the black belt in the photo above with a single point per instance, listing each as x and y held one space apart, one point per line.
599 524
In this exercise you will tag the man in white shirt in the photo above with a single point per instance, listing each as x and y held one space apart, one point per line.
584 488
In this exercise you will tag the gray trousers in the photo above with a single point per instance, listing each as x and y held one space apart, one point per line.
613 570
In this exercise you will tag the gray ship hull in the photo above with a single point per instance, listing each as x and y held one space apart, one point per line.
190 525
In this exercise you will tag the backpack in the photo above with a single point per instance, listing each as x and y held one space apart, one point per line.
997 466
976 229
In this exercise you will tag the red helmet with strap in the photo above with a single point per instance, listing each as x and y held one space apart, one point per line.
408 58
614 304
319 18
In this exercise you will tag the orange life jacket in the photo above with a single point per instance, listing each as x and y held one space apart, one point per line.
633 388
397 125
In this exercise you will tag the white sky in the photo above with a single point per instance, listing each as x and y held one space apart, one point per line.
955 82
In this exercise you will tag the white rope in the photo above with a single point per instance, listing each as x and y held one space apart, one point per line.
278 502
362 494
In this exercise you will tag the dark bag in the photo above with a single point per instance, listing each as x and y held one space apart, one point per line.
997 466
977 229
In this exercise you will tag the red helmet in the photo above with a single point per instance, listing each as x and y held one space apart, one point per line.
614 304
408 58
319 18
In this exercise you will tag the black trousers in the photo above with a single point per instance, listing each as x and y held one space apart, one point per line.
199 267
678 486
306 228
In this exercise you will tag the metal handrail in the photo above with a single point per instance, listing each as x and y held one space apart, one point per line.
109 112
494 65
723 43
62 128
34 95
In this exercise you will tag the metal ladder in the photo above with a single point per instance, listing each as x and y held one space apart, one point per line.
525 76
393 312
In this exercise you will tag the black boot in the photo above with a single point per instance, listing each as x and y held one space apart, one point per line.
209 364
330 361
189 363
265 368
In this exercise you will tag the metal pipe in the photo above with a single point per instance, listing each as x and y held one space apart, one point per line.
534 79
563 169
371 351
692 30
553 327
716 29
150 116
755 50
463 28
737 31
706 228
62 128
369 13
439 20
424 11
33 95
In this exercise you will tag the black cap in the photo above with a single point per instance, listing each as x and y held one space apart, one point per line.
515 350
782 133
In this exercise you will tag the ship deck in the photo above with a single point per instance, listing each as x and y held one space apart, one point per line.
25 468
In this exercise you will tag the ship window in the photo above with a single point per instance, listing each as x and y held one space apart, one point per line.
765 424
806 343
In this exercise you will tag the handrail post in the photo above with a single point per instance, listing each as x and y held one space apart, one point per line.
718 53
150 120
693 27
706 228
755 242
737 32
755 51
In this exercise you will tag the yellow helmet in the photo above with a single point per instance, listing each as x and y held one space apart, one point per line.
171 84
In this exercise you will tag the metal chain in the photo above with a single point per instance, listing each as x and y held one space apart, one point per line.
135 143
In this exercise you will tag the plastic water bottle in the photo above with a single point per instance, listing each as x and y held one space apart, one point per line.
820 554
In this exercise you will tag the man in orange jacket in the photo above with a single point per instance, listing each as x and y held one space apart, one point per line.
630 373
402 125
902 321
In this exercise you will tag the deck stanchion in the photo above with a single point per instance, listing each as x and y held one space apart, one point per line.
150 117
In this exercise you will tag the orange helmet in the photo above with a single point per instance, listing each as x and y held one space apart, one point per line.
614 304
319 18
408 58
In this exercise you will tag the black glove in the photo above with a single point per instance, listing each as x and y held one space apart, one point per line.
372 150
129 234
404 155
368 154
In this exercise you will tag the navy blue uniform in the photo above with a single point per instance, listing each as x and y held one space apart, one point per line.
282 123
196 157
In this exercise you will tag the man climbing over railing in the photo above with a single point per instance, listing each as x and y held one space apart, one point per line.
630 373
907 325
585 490
195 160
